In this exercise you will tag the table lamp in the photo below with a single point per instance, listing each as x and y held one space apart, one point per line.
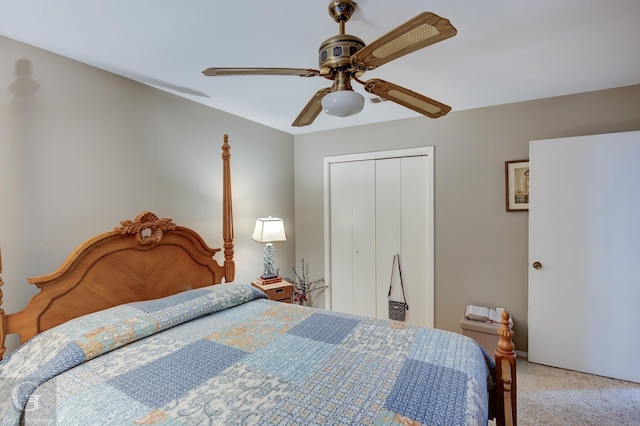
268 230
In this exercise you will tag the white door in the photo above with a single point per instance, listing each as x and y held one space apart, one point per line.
353 254
376 205
584 229
404 225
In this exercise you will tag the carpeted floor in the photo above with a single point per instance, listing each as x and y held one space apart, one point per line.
554 396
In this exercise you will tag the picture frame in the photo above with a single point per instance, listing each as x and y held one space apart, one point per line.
517 185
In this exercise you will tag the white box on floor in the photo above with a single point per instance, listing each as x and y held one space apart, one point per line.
485 333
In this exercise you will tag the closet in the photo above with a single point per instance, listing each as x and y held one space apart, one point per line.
376 205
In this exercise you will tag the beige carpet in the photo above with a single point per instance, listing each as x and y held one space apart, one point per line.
553 396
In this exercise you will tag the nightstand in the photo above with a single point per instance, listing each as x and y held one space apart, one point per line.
280 291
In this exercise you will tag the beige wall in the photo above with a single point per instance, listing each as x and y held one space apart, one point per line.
82 149
480 249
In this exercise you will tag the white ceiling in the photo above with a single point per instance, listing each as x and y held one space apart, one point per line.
505 50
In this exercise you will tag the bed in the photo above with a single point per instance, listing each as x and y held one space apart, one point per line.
143 325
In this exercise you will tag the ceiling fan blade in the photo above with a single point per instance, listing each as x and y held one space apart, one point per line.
312 109
407 98
425 29
216 72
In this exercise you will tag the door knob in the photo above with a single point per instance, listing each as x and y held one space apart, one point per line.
537 265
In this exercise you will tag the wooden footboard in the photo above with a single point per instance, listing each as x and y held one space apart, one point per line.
504 393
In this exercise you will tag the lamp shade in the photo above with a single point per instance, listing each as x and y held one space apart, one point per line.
269 229
342 103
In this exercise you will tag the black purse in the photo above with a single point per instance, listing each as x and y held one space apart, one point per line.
397 310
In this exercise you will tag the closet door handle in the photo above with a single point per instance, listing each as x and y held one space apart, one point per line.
537 265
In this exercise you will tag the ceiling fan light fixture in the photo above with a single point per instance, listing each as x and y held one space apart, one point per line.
343 103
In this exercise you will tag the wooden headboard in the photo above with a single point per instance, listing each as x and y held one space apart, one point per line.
142 259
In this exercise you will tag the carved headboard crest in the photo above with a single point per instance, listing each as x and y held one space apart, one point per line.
143 222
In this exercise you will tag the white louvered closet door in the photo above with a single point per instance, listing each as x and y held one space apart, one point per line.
379 206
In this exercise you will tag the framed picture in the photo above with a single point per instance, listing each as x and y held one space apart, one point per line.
517 185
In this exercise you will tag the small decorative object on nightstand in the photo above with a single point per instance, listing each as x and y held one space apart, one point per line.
302 288
280 291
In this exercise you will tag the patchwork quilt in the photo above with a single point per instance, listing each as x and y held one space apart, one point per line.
227 355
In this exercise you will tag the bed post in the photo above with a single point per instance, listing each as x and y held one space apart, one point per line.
3 319
227 213
505 357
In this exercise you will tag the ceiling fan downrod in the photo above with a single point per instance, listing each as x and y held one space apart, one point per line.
341 11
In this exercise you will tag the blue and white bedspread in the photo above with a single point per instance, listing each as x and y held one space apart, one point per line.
225 355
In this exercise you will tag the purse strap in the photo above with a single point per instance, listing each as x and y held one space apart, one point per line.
396 258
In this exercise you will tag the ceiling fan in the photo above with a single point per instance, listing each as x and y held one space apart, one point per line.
344 57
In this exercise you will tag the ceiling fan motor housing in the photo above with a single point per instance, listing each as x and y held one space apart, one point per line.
335 53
